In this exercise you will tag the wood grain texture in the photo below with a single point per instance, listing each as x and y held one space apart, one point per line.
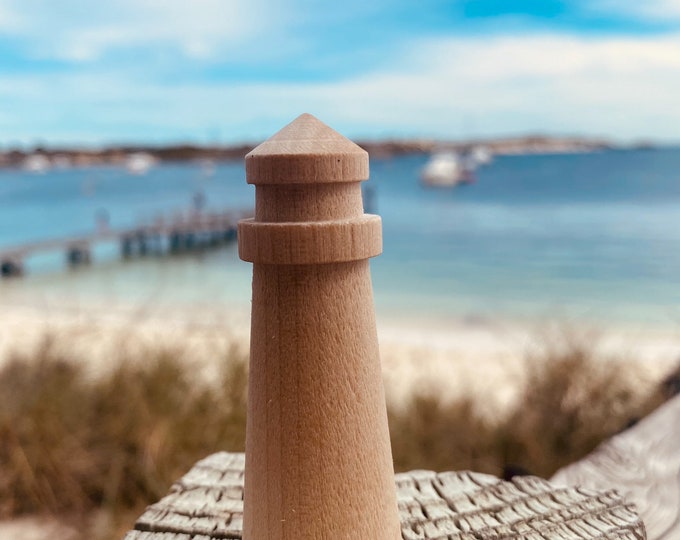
643 464
207 504
318 456
310 243
306 151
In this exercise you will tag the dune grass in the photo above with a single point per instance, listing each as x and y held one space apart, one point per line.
77 447
70 445
574 398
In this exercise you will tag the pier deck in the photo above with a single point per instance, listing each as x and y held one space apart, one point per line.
190 232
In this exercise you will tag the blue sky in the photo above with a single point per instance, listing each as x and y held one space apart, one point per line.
203 71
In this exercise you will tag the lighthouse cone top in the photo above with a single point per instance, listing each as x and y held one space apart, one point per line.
297 153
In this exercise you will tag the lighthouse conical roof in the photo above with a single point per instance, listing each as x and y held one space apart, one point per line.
306 151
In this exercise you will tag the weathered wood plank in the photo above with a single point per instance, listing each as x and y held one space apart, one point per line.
207 504
643 464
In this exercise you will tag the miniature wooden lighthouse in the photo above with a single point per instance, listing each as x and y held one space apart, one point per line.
318 457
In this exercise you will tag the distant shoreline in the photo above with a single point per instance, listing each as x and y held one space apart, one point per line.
120 155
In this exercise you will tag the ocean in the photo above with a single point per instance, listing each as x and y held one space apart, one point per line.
585 237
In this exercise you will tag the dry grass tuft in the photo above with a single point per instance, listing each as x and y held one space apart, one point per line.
70 445
429 434
574 399
97 450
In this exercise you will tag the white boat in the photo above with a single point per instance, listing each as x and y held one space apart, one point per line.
36 163
139 163
481 155
208 168
444 169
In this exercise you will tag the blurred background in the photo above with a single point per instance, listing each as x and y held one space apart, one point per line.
525 159
570 107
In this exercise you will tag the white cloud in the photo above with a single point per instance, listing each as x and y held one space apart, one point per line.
80 31
623 88
8 18
647 9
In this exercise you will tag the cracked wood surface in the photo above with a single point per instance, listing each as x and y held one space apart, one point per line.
207 504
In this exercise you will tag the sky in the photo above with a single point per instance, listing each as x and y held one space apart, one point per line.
78 72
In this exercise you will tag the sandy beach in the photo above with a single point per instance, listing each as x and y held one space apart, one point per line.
450 357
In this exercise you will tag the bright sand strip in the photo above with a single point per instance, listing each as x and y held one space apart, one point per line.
36 528
450 357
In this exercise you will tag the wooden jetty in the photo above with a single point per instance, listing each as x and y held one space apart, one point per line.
318 462
176 234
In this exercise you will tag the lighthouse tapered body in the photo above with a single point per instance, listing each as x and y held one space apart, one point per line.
318 458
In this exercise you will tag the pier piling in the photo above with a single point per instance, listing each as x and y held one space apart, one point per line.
11 267
78 255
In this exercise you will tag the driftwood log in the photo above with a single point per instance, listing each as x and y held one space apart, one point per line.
207 504
643 464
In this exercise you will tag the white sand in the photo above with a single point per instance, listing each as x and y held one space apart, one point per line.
452 357
36 528
488 361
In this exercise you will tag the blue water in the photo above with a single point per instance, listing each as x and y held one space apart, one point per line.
589 236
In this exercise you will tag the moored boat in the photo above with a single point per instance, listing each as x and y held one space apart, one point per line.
139 163
445 169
